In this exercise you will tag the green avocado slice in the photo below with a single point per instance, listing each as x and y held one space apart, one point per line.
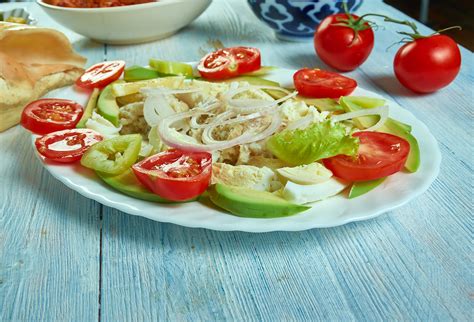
355 103
128 184
137 73
244 202
362 187
107 105
91 104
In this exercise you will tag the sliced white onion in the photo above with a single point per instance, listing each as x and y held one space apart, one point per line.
98 123
250 105
194 123
155 108
208 105
274 125
381 111
226 118
234 91
173 138
302 123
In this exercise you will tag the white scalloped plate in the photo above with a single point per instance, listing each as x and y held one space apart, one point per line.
397 190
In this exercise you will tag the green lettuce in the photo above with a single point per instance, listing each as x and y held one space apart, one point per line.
318 141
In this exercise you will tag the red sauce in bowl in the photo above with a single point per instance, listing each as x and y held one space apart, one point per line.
95 3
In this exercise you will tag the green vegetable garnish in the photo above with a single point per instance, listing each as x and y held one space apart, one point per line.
264 70
113 156
91 105
171 67
318 141
137 73
362 187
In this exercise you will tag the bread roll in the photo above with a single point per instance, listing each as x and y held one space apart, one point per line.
33 61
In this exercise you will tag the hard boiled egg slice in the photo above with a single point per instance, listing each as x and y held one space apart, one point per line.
306 174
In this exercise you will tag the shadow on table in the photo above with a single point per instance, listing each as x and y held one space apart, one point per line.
391 85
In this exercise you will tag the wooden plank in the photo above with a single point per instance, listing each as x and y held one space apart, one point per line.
399 266
49 234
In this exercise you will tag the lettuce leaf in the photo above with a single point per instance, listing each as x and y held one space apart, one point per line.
318 141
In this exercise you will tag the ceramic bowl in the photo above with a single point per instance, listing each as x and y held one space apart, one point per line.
128 24
296 20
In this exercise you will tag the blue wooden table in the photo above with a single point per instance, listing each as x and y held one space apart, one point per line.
64 257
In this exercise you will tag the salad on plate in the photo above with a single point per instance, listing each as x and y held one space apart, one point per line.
172 133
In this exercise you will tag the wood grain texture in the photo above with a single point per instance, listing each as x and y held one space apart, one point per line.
49 235
413 263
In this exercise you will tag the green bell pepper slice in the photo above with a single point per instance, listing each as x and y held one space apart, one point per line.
113 156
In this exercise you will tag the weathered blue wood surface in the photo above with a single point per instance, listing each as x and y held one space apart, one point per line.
58 250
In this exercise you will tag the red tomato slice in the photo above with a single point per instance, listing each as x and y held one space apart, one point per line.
380 155
50 115
322 84
66 146
229 62
248 59
176 175
101 74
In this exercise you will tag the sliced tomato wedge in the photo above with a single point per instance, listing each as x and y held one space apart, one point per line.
101 74
68 145
229 62
248 59
50 115
175 175
319 83
379 155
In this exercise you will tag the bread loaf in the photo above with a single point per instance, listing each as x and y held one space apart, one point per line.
33 61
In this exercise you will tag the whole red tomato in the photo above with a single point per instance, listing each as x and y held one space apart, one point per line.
343 41
427 64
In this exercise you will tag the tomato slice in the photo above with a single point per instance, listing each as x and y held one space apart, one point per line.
176 175
229 62
101 74
50 115
248 59
379 155
68 145
319 83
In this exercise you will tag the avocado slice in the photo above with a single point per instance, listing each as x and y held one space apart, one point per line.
91 104
396 128
128 184
264 70
107 105
244 202
355 103
137 73
322 104
362 187
391 126
167 67
258 81
252 80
